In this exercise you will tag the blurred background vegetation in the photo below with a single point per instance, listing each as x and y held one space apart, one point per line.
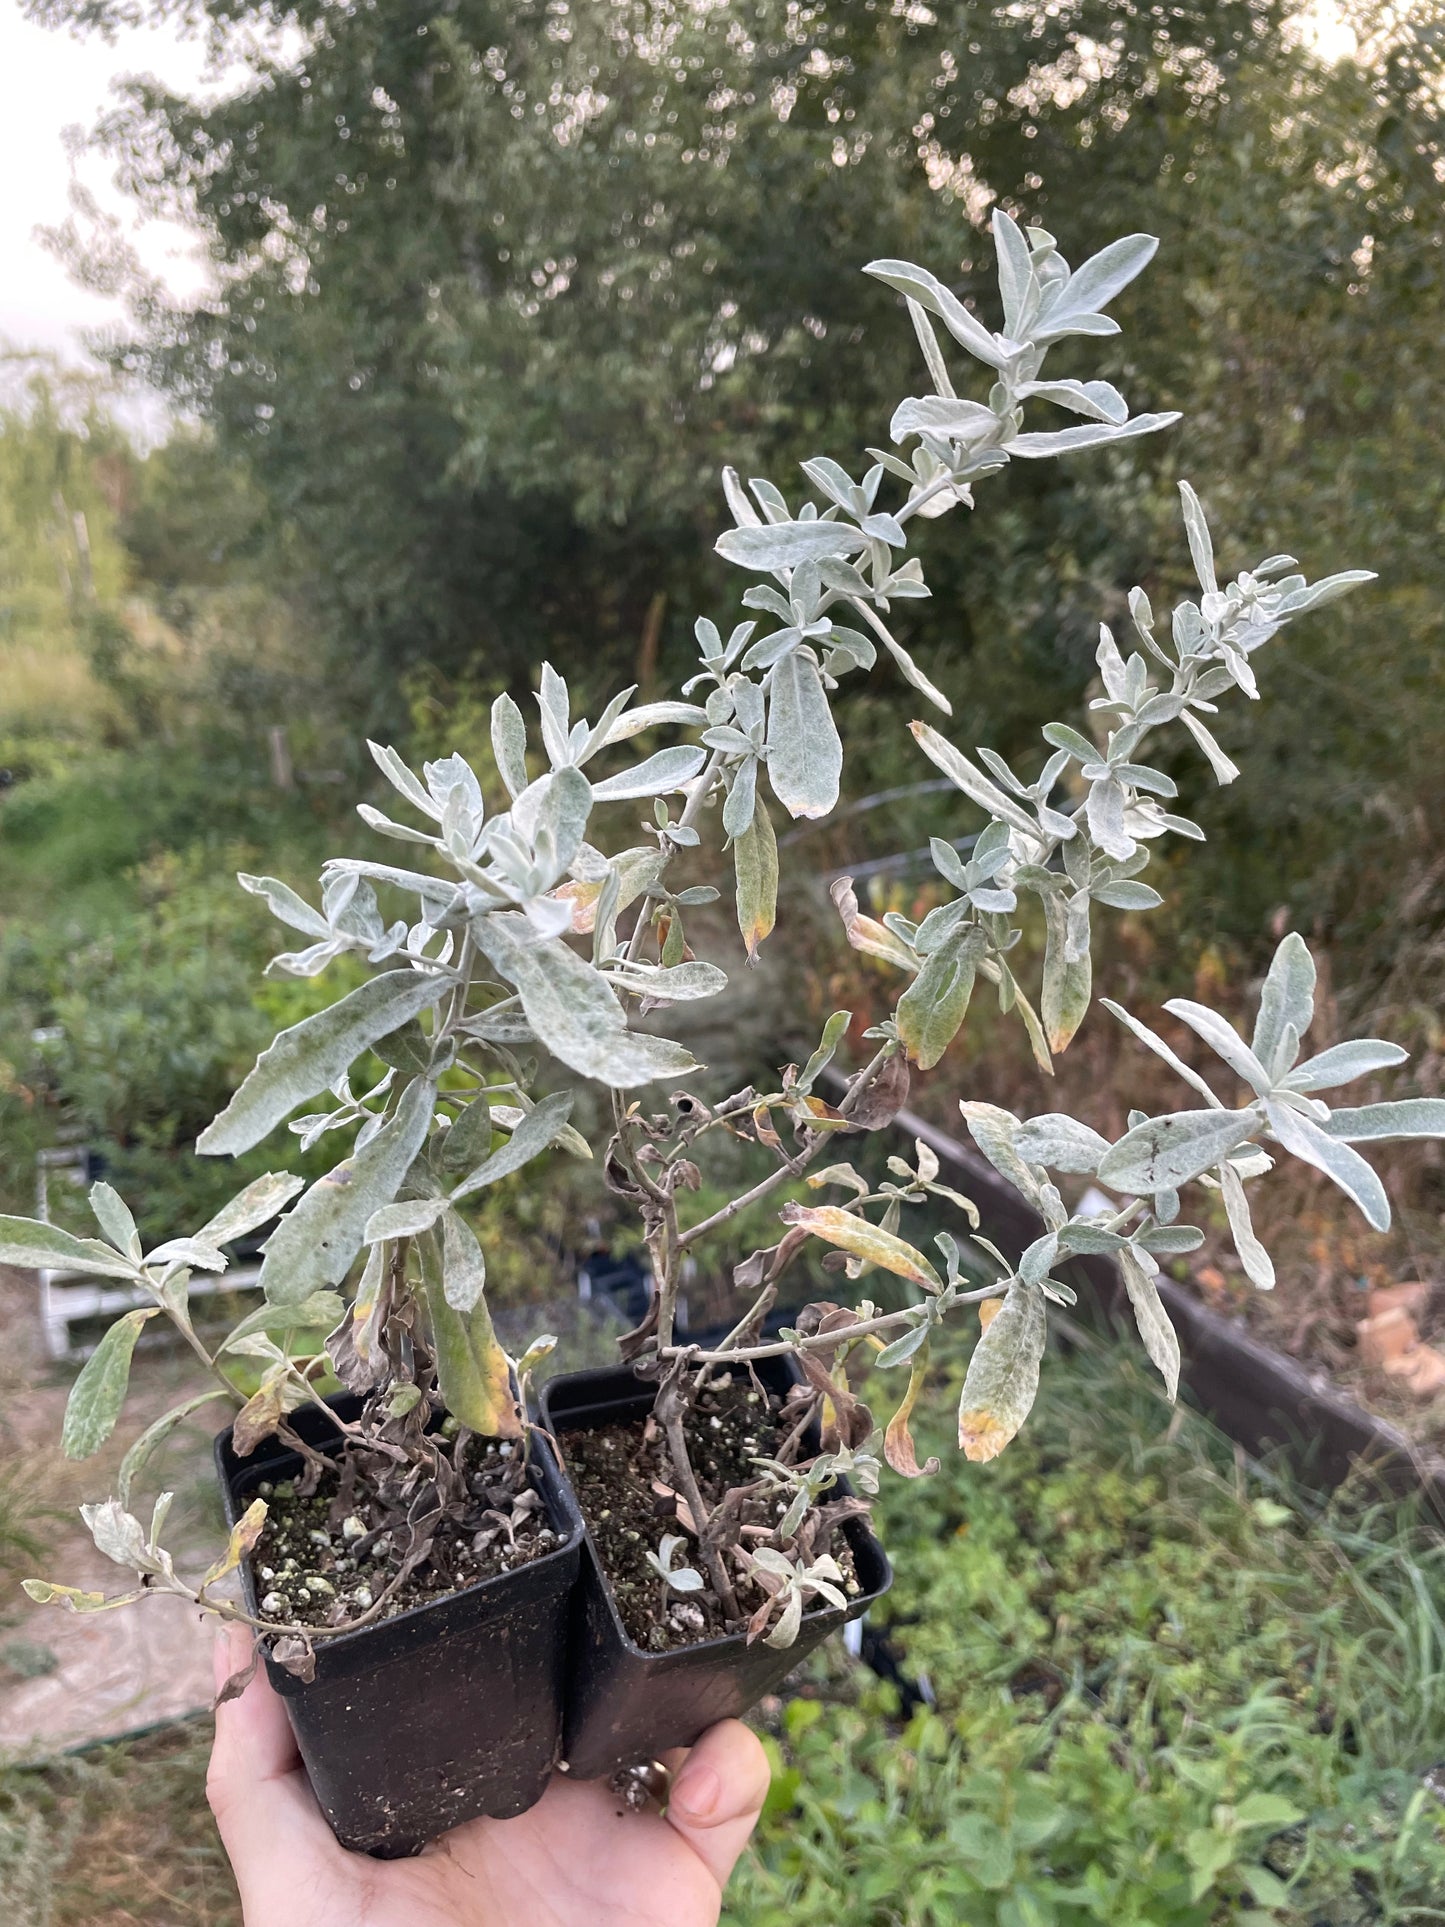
498 289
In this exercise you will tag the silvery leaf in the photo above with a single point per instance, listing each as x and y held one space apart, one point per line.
509 744
995 1132
98 1393
314 1244
805 755
1344 1063
401 779
1123 895
1223 1039
1097 399
926 289
1164 1152
283 903
1224 770
1060 1142
670 983
1089 1240
1201 548
785 545
251 1208
1093 286
1344 1167
832 480
741 797
1170 1238
435 892
1049 331
1104 810
1060 441
309 1057
113 1215
773 502
1407 1117
556 715
403 1220
1288 997
937 374
650 716
549 916
1329 590
942 415
1003 1375
971 781
120 1536
668 770
1018 284
562 820
1258 1267
574 1012
911 672
399 832
744 514
464 1266
1160 1339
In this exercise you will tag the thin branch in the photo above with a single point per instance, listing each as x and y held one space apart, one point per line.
823 1341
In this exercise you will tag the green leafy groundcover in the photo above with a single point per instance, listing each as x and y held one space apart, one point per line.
1166 1698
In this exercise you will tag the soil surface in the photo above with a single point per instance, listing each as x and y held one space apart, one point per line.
628 1493
329 1556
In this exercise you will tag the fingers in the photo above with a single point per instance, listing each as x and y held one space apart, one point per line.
718 1795
258 1792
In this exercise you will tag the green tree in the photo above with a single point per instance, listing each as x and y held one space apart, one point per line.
499 287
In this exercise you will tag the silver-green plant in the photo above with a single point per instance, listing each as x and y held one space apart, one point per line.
534 936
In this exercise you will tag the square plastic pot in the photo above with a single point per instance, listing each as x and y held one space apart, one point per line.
624 1705
445 1712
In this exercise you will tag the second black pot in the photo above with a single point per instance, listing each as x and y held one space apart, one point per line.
624 1705
444 1712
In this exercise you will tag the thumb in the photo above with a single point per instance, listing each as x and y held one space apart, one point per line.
718 1794
257 1788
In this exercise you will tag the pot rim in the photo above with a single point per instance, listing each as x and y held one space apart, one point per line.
562 1511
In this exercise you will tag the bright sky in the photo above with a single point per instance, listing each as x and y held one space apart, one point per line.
54 82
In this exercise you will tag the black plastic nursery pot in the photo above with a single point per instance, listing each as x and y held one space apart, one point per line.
444 1712
624 1705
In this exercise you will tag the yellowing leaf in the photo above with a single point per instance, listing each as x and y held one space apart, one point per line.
244 1535
863 1240
932 1009
865 933
755 861
46 1594
474 1374
1003 1375
261 1414
898 1446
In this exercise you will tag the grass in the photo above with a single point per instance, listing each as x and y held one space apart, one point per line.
117 1837
1169 1694
1165 1696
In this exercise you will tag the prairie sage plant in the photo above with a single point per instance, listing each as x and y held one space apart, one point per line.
521 947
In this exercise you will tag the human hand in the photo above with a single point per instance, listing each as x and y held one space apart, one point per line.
575 1860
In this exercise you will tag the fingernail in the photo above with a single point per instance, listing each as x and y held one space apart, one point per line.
697 1792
